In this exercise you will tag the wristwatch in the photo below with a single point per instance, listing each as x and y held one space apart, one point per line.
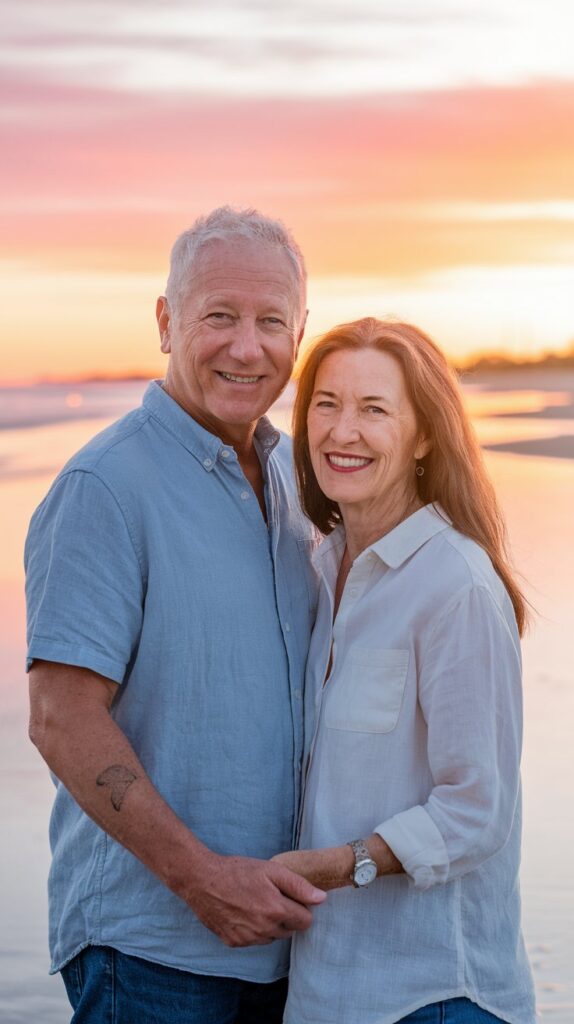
365 870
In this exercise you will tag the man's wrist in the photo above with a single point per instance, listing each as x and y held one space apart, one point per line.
188 865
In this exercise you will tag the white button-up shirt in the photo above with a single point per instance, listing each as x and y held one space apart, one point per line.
415 735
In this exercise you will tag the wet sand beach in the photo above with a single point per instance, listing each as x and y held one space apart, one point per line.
526 424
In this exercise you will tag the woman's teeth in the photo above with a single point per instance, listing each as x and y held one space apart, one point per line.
347 461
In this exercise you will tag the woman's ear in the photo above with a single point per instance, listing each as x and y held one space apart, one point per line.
423 447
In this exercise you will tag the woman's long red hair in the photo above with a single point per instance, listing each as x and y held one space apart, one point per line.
455 476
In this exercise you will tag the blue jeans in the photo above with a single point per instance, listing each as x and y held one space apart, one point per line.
451 1011
108 987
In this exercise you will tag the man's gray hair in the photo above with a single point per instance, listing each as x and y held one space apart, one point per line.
226 223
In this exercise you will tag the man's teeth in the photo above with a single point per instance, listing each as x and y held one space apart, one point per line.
239 380
347 461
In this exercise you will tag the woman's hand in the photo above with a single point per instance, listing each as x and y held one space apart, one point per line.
329 868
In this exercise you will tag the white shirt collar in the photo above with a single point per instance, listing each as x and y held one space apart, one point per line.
400 543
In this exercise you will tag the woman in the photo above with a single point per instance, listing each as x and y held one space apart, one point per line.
413 699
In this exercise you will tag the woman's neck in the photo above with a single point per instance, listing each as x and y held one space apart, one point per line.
366 524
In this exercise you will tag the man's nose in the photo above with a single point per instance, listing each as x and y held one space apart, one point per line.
245 344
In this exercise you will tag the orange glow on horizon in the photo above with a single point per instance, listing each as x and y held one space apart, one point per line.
452 208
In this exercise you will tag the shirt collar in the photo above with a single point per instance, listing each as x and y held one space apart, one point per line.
395 547
203 445
399 544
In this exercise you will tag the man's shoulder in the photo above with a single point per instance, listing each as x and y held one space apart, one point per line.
119 438
298 522
282 461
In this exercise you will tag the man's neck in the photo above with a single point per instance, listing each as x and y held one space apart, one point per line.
237 436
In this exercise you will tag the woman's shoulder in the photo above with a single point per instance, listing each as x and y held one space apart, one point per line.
466 566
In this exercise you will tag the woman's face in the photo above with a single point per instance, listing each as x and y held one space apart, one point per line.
363 435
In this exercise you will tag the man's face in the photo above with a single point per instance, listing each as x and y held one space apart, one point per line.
233 340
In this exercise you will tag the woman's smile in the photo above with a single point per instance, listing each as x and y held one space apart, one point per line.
346 463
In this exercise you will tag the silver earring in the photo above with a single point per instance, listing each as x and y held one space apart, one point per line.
420 471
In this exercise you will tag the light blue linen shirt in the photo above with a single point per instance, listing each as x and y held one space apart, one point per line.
149 561
416 735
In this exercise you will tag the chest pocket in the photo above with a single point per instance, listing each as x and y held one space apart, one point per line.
369 695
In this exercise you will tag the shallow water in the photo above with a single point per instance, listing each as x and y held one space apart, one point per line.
538 497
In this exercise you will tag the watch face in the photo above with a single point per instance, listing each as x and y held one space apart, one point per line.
365 873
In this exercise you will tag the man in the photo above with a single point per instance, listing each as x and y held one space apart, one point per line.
170 602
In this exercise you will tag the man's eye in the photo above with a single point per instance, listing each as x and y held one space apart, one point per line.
273 320
217 315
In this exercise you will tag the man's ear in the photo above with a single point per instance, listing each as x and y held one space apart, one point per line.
162 315
301 331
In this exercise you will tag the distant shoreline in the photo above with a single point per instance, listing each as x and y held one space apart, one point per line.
488 366
493 363
561 447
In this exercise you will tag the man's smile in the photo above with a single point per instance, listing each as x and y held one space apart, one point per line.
236 378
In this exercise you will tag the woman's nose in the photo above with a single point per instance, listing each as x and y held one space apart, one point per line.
345 429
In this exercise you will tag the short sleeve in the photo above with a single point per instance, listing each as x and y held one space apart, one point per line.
84 582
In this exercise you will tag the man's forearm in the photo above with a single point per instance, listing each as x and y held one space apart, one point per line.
244 901
94 760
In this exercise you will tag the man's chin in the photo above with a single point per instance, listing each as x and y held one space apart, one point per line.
242 412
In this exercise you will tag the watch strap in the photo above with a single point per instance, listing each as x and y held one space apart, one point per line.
359 848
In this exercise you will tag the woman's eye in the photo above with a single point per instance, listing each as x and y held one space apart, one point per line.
324 404
375 409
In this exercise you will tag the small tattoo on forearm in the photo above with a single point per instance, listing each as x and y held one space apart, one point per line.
119 779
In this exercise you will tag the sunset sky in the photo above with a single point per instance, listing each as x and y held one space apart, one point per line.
422 152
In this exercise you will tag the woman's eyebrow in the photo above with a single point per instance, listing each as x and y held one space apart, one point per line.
365 398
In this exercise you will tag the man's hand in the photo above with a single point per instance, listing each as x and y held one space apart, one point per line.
250 902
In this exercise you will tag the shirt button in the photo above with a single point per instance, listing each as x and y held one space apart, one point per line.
244 495
207 463
224 453
287 627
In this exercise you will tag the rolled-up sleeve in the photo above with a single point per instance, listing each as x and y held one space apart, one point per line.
470 694
84 580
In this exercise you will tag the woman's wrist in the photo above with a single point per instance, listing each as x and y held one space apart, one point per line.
332 867
383 856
